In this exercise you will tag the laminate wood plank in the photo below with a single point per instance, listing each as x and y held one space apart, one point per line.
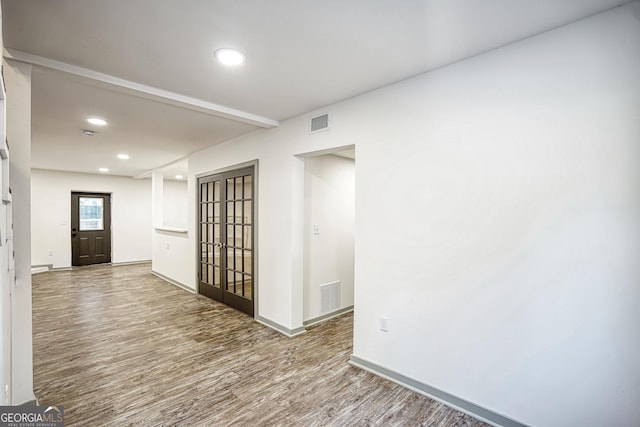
118 346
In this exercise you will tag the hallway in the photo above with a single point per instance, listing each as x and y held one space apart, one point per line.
119 346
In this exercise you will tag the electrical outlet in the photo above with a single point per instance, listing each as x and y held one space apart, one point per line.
167 246
50 253
316 229
384 324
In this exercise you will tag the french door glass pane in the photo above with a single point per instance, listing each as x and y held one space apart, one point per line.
216 212
230 213
230 238
216 255
247 212
204 253
226 218
210 277
231 190
246 236
248 181
216 277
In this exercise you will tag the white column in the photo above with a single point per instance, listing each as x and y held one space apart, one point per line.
18 104
157 201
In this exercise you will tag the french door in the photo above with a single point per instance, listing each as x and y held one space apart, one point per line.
226 212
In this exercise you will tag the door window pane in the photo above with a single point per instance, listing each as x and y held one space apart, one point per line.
247 212
210 192
231 193
248 187
247 237
210 277
91 213
216 277
205 253
203 272
230 215
230 237
216 212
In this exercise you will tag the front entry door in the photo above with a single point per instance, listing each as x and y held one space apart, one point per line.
226 238
90 228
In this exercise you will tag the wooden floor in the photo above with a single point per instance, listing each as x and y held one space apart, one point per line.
117 346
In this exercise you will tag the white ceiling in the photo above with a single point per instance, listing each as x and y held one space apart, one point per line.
301 55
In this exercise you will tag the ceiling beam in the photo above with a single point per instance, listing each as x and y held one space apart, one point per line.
144 91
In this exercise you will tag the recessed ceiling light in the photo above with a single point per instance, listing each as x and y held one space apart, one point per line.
123 156
179 177
97 121
230 56
87 132
104 169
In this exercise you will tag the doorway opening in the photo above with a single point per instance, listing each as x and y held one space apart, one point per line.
90 228
328 237
226 207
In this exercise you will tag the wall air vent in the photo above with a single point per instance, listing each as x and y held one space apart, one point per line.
319 123
330 297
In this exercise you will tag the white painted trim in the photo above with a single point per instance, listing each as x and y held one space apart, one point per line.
147 174
278 327
142 261
172 229
327 316
455 402
145 91
174 282
325 151
224 169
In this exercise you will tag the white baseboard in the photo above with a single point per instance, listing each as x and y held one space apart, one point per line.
39 269
278 327
118 264
455 402
173 282
327 316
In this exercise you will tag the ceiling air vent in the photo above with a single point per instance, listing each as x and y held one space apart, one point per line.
319 123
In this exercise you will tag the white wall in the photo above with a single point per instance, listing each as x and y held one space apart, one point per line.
517 289
175 203
514 284
5 275
330 204
6 248
51 215
18 116
171 251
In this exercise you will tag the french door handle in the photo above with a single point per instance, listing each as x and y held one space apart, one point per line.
221 245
